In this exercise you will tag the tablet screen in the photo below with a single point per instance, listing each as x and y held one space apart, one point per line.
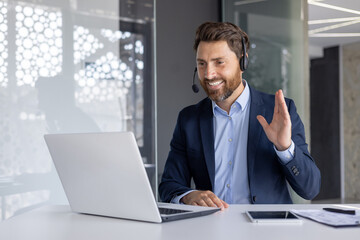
272 216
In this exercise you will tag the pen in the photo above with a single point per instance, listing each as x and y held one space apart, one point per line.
336 210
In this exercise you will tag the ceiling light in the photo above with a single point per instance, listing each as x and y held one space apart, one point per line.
335 35
323 29
312 2
332 20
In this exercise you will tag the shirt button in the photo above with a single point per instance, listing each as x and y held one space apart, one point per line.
227 185
229 118
230 162
230 139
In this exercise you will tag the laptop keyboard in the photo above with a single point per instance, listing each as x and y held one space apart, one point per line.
169 211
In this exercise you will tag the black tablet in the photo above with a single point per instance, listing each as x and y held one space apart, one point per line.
273 217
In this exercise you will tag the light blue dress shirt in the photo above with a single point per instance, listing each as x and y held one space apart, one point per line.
230 145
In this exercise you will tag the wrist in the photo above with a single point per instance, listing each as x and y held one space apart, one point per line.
282 147
185 197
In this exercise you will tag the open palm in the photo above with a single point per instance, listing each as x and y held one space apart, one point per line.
279 130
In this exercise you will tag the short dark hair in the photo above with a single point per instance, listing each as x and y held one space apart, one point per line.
218 31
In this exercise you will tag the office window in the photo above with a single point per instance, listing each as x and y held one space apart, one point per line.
69 66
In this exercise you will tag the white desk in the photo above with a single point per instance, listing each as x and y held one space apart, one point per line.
58 222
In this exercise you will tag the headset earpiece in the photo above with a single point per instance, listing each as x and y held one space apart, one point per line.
244 59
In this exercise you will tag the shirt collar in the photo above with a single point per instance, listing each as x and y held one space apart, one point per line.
241 101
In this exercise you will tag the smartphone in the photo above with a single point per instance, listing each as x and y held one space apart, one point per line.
273 217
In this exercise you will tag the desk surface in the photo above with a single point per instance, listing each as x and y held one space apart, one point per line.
58 222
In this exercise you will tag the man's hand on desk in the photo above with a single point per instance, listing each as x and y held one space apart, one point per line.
204 198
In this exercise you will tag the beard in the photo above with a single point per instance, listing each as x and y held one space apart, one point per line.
229 86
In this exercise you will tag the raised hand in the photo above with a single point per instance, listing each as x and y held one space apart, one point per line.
279 130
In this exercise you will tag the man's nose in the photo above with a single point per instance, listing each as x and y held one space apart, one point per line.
210 72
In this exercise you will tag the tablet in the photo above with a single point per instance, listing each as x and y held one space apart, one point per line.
273 217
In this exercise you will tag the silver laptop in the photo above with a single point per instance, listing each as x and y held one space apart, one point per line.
103 174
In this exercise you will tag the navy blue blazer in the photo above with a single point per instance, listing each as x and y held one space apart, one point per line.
192 155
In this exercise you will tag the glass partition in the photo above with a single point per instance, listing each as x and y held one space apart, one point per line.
278 37
70 66
278 47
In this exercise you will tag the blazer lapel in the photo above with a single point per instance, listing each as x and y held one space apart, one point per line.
255 129
207 137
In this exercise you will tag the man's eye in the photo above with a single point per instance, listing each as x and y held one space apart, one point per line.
220 62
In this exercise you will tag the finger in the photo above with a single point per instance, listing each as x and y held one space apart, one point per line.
201 202
281 95
209 202
276 107
282 104
280 100
218 202
262 122
225 204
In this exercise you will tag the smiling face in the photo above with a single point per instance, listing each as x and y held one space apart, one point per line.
219 72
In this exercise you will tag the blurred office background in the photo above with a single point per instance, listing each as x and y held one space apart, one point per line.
70 66
127 65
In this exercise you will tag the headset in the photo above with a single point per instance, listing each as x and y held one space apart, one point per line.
244 62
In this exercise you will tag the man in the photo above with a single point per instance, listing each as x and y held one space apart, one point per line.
225 144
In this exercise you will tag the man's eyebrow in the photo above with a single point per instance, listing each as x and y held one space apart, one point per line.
213 59
218 58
